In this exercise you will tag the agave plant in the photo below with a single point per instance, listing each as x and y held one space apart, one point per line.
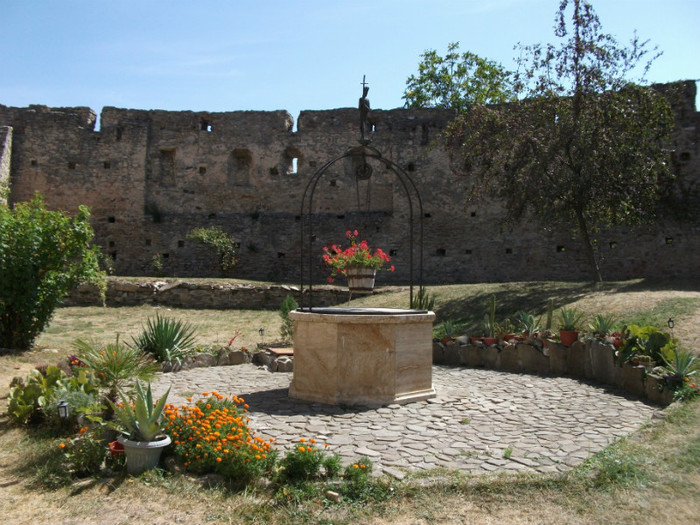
140 421
166 339
570 319
602 325
528 323
682 365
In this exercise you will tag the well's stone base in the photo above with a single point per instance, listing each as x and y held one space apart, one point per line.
367 357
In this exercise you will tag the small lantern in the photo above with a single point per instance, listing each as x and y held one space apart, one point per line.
670 323
62 409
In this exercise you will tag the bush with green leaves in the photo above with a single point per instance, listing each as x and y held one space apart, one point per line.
218 239
166 339
307 462
43 255
646 340
83 453
287 328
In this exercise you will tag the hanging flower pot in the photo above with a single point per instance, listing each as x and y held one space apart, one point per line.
360 279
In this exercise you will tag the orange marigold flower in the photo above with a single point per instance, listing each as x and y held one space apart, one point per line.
205 394
189 399
355 465
302 449
218 460
312 441
687 380
301 440
61 445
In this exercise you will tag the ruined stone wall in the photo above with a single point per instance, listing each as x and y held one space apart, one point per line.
150 177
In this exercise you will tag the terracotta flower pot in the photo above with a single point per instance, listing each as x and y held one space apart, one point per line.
568 337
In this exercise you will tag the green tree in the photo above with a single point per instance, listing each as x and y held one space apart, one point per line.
43 255
456 81
584 146
218 239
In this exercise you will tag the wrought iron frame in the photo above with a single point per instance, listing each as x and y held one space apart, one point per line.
364 151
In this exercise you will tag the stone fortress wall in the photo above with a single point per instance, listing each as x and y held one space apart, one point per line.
150 177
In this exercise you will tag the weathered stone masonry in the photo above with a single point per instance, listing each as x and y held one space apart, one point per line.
150 177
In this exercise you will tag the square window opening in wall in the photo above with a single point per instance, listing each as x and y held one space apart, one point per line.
411 166
113 255
341 217
111 244
180 244
111 219
147 242
612 244
166 255
509 251
441 252
472 214
393 252
212 216
669 240
468 251
202 170
71 165
107 165
281 255
205 126
427 215
333 183
34 162
274 171
561 248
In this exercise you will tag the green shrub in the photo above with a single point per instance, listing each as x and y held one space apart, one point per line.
218 239
303 463
83 454
287 328
166 339
43 255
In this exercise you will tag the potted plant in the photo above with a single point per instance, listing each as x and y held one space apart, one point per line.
680 367
569 322
529 326
603 327
446 329
357 262
490 325
140 422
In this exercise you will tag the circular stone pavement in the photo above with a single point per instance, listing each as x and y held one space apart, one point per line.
480 421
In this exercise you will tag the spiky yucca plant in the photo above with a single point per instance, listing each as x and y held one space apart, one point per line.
166 339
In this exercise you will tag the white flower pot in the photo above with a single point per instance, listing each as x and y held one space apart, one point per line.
143 455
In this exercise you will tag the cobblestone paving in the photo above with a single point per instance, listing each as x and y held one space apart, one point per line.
481 420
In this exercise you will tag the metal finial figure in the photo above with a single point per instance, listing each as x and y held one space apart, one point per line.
364 113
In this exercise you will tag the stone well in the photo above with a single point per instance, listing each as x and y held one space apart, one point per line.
368 356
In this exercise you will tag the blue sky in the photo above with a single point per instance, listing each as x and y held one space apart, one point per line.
293 55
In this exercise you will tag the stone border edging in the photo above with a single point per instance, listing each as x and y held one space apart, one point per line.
591 359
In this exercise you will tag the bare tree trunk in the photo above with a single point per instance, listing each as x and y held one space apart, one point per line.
590 252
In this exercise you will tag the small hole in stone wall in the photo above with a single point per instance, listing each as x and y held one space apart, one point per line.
313 238
119 133
111 244
411 166
281 255
34 162
441 252
202 170
393 252
107 165
334 183
468 251
236 245
212 216
561 249
685 156
71 165
205 126
427 215
297 218
295 166
252 248
113 255
612 245
166 255
180 244
111 219
148 242
340 216
509 251
274 171
312 164
669 240
372 127
473 214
